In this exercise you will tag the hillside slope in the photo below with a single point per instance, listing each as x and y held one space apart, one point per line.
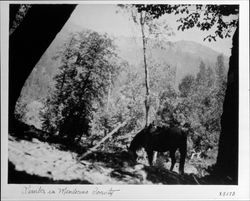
185 56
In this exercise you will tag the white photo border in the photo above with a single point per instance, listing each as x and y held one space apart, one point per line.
137 192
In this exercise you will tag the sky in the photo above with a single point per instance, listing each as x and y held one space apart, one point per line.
105 19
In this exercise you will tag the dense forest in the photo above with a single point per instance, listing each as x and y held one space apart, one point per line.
85 96
94 91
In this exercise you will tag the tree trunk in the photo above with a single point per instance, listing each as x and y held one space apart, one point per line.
106 130
227 160
145 66
109 92
28 42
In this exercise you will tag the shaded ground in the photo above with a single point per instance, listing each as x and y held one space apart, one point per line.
37 162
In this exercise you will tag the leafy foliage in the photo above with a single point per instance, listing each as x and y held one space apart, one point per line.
204 17
81 84
203 96
186 86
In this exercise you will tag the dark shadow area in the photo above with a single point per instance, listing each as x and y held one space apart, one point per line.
28 132
110 159
227 161
164 176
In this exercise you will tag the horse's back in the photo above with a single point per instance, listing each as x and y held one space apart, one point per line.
175 132
168 138
160 139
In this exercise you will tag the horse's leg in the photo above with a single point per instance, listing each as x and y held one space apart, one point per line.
183 152
173 160
154 157
150 157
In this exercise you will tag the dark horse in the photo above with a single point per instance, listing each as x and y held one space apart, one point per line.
161 139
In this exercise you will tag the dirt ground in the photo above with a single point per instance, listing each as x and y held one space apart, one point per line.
39 162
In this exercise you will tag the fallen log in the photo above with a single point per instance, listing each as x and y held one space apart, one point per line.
103 140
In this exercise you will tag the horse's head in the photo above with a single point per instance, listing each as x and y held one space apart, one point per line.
133 148
137 143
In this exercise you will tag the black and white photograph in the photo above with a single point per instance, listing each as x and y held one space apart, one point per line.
125 94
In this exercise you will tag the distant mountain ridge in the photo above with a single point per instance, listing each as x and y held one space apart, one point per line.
185 56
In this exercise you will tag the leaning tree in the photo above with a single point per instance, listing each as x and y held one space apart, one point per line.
31 31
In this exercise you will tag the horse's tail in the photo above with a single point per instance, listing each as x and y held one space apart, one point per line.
183 152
